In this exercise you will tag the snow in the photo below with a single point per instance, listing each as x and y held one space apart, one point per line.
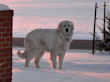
103 52
4 7
78 66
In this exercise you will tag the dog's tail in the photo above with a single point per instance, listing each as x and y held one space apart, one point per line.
21 55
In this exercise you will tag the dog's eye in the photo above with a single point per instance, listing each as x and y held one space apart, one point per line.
64 25
67 30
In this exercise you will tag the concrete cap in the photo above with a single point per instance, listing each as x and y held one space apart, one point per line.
4 7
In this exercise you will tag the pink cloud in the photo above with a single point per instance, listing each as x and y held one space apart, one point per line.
5 1
49 5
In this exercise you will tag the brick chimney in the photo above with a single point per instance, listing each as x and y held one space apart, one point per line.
6 23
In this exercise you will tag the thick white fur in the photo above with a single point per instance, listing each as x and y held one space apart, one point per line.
55 41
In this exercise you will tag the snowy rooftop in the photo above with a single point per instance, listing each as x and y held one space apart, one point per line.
4 7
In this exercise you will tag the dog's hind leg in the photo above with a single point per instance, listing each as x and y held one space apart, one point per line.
37 58
27 62
30 56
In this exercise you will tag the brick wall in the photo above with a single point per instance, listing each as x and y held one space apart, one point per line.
6 18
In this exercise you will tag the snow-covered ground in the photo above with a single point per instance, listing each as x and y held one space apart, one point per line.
78 66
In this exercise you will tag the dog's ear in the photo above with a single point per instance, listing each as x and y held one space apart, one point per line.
72 26
59 29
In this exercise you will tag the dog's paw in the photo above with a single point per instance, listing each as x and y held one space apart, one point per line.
37 66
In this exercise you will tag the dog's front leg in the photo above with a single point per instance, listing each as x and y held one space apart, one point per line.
60 60
53 60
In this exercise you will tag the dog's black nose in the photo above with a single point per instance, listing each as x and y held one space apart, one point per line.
66 29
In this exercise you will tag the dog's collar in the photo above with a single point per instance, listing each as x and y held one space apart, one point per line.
62 36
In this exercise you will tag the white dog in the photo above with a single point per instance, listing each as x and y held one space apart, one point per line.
55 41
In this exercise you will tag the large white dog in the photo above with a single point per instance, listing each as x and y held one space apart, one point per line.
55 41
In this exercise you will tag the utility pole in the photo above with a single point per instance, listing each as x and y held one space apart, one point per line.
94 28
104 21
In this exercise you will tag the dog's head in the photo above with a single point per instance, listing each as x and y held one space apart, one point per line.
66 28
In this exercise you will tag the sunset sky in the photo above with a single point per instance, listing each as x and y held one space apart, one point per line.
32 14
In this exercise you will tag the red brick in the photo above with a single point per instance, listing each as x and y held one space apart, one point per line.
2 19
1 80
6 74
3 50
9 29
0 45
9 54
9 59
10 44
10 19
2 29
2 60
8 69
8 39
5 65
0 75
0 24
10 64
2 39
6 13
6 19
6 34
8 79
6 24
4 45
4 55
0 65
2 70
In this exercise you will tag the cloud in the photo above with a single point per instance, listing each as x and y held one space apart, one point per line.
49 5
13 1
